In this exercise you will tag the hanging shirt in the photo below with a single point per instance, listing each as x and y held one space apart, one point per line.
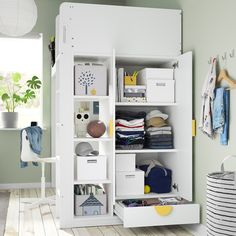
208 96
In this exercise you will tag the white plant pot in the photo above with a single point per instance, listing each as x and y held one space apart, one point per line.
10 119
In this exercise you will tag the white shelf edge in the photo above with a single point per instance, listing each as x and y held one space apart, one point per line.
89 54
146 196
96 181
147 151
144 104
106 139
92 217
138 56
90 98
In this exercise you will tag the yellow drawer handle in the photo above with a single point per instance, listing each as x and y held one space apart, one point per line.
163 210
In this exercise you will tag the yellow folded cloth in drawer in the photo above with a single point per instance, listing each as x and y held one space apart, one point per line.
163 210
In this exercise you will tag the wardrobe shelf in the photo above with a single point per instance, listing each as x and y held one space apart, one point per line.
93 217
90 98
144 196
147 151
139 104
103 139
95 181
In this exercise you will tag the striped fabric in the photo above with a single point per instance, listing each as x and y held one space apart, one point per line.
221 204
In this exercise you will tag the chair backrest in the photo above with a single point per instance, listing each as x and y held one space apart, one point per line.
27 155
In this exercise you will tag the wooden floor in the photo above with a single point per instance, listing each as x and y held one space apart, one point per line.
42 221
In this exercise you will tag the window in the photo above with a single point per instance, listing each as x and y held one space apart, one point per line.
25 57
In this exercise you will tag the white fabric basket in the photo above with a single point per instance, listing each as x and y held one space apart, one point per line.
221 202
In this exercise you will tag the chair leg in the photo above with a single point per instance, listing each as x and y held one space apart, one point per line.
43 181
38 203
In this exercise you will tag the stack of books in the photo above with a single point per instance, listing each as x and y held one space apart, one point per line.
129 93
135 93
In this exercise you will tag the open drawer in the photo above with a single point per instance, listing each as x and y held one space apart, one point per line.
142 216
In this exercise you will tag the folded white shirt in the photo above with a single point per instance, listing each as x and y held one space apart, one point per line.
136 122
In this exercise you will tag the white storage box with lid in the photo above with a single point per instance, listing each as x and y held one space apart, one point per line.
160 84
91 167
154 73
125 162
130 182
90 79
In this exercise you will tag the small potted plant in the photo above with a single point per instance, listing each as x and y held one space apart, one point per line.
15 92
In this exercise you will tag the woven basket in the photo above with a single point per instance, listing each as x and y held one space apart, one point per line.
221 202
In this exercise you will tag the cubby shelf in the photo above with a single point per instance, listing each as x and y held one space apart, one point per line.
103 139
90 98
146 196
95 181
139 104
147 151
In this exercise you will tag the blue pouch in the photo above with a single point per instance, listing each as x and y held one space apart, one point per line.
159 179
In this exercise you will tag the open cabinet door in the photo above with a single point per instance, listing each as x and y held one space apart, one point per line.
180 118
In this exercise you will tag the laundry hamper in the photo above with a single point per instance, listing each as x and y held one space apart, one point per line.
221 202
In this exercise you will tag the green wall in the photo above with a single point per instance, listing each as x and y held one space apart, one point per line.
208 29
10 172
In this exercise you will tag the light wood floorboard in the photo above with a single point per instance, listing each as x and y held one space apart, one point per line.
42 221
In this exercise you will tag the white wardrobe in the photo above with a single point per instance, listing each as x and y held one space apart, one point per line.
128 37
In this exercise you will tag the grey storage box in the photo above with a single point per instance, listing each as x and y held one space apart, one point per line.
90 79
87 205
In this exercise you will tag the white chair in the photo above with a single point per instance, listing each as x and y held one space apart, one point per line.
27 155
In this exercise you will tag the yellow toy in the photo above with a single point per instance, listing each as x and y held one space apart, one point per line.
147 189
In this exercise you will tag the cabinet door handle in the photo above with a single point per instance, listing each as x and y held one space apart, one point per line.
91 161
130 176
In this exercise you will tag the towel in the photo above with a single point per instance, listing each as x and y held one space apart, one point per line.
34 134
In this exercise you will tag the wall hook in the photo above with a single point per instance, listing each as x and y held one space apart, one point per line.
209 61
232 54
224 56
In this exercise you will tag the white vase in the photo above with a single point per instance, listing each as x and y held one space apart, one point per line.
9 119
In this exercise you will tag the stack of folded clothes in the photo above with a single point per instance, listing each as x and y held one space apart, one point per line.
159 134
130 130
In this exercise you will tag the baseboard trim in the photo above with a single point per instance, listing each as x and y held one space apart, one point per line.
23 185
196 230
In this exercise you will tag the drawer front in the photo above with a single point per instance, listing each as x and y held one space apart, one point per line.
158 215
90 168
130 183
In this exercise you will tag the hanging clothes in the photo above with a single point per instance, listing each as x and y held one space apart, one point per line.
221 114
208 96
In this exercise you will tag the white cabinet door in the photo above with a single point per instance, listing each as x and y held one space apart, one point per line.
180 117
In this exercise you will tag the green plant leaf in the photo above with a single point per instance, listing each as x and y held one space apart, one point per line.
29 94
34 83
16 77
17 98
5 97
1 78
